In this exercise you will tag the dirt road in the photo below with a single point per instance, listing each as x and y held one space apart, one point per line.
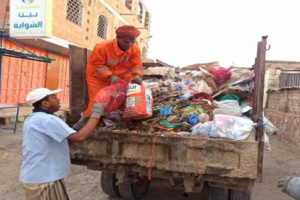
283 160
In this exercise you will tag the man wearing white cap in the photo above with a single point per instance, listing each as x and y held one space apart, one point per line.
46 160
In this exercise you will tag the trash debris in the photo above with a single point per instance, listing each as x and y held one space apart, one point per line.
203 117
186 105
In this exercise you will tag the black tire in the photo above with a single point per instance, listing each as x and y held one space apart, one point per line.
134 191
240 195
216 193
109 184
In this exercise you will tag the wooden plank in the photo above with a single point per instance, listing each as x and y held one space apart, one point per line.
78 88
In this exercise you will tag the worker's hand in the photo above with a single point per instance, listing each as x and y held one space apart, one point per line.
283 183
81 123
291 186
97 110
114 79
137 79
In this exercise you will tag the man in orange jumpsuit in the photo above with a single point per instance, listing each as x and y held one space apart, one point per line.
111 61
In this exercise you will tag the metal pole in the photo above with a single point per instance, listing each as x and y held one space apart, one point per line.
1 58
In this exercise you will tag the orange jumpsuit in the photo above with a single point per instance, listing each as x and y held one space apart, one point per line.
108 59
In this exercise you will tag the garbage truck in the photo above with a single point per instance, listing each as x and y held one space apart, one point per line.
225 169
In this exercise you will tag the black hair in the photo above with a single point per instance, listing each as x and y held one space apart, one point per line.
39 103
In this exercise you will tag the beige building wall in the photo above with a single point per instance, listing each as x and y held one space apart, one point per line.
116 13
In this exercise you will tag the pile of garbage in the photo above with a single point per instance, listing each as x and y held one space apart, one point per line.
207 102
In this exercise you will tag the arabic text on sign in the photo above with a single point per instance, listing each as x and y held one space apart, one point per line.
28 26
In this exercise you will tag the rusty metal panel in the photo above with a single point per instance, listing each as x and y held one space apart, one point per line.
21 76
78 89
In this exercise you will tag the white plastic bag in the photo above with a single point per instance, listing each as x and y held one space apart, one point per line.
269 126
228 107
202 129
267 145
231 127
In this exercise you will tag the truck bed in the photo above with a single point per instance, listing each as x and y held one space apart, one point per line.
188 155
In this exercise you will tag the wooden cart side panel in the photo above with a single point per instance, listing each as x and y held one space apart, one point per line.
236 159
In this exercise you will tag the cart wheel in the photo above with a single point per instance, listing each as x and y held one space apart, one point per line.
109 184
216 193
134 191
240 195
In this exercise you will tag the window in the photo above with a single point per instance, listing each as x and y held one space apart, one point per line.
147 20
74 11
144 52
102 27
289 79
140 12
128 4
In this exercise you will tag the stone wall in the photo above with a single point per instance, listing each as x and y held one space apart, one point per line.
286 100
283 109
274 78
288 125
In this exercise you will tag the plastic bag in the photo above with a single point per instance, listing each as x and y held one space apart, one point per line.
192 109
114 96
269 126
231 127
165 111
193 119
267 145
228 107
220 73
166 124
139 102
202 129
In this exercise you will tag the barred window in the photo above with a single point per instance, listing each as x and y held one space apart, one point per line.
140 12
128 4
289 79
144 52
74 11
102 27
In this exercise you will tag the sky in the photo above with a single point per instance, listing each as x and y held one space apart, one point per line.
186 32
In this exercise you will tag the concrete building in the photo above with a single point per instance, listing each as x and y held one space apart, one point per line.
50 27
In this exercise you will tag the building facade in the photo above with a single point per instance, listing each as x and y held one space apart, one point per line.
283 105
82 23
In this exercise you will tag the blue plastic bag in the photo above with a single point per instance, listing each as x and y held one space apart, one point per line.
193 119
165 111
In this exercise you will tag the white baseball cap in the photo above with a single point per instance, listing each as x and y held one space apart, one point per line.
40 93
